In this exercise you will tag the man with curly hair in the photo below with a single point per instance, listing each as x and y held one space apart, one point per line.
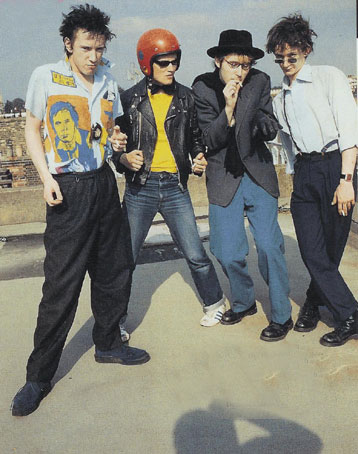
319 118
86 230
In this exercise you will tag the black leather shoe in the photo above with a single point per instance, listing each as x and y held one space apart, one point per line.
276 331
125 355
28 398
345 331
307 318
230 317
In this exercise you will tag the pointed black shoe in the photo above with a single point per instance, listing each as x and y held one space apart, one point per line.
344 332
230 317
28 398
276 331
307 318
128 356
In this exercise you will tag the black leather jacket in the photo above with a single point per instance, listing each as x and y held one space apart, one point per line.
181 127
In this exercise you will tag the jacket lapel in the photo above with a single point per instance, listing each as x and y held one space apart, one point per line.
145 108
242 105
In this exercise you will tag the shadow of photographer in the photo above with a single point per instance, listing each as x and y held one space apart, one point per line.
213 431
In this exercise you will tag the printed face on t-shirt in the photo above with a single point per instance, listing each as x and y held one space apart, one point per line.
64 126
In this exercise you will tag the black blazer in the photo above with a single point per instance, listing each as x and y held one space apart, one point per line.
230 150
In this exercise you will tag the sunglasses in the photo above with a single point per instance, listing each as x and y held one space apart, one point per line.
166 63
236 65
281 60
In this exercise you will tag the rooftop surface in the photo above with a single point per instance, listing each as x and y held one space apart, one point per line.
205 390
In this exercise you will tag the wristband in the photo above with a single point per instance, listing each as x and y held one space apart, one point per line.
346 177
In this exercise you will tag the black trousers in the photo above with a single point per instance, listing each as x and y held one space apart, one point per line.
87 232
321 232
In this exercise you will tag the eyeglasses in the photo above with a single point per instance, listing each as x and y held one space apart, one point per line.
166 63
235 65
281 60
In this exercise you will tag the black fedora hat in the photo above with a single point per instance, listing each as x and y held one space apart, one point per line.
235 41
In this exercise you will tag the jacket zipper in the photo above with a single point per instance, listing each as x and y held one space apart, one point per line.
169 118
139 132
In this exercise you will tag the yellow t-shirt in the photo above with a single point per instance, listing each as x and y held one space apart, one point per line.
163 159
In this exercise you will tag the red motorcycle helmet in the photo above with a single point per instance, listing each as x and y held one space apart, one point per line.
155 43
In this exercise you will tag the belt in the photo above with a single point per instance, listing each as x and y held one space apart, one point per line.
317 155
163 174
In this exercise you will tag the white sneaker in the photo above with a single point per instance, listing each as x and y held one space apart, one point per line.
125 336
212 318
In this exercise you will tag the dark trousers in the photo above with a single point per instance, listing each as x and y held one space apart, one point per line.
321 232
87 232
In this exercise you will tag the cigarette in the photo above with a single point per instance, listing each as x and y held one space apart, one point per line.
237 82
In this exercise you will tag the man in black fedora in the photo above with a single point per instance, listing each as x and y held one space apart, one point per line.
235 114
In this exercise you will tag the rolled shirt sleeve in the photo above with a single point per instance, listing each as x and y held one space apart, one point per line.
320 109
36 96
344 108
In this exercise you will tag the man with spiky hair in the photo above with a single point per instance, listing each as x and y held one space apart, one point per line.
319 118
77 100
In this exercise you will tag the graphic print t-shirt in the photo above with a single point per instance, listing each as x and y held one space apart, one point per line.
68 111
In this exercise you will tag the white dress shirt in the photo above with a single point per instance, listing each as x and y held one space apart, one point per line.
316 109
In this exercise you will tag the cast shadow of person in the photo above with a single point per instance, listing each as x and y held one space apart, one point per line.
146 280
213 431
146 284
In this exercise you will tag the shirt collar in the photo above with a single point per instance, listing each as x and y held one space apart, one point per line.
305 75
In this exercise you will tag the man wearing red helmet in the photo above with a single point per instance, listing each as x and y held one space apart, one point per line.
163 147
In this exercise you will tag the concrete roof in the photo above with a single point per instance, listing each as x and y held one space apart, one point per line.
205 390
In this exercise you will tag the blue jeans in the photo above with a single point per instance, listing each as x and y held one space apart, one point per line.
228 242
162 194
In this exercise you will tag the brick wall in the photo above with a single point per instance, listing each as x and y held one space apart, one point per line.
13 153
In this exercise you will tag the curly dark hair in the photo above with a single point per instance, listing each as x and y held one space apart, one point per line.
87 17
293 30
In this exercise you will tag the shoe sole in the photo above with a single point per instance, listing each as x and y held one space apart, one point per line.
275 339
112 360
252 312
329 344
15 412
210 326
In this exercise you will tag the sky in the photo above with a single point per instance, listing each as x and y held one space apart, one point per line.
29 33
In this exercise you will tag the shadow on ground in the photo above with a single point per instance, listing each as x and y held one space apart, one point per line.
27 254
228 429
